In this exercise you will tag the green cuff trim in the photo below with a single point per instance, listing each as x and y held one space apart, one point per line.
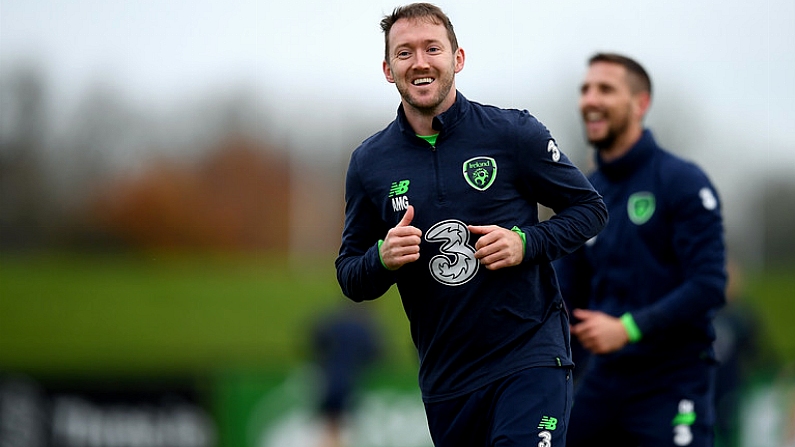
632 328
521 234
380 242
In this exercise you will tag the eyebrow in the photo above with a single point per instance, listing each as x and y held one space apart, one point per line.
423 43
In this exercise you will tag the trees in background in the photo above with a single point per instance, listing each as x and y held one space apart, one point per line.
207 175
235 198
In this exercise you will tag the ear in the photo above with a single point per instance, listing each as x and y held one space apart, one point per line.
388 72
459 59
642 103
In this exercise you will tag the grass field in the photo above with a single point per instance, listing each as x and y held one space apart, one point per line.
78 314
66 314
772 295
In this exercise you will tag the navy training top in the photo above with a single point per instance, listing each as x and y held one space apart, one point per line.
490 166
661 258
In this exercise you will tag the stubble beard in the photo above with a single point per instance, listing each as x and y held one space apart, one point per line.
613 132
605 142
424 107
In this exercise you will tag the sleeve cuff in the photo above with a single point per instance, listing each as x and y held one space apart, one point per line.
381 241
521 234
633 331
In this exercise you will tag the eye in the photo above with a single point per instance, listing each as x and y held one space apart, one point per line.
403 54
434 50
603 88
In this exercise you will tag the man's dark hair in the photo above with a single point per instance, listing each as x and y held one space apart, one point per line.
638 78
423 11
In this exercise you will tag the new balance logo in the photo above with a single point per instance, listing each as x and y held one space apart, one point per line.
399 188
548 423
400 202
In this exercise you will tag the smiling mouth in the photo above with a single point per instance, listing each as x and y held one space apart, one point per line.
591 117
422 81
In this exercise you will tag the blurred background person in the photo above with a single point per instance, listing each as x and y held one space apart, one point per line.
345 343
652 279
740 355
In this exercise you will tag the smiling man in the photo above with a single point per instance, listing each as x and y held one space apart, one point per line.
644 291
444 202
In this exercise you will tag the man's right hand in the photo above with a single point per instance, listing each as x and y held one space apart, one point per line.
402 243
599 332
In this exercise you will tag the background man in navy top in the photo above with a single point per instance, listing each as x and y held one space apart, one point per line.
443 203
345 343
652 280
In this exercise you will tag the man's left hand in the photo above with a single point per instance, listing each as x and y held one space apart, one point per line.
497 247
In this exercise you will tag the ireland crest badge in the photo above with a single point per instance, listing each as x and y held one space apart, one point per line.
640 207
480 172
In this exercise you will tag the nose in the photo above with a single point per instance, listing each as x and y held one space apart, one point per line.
588 97
421 60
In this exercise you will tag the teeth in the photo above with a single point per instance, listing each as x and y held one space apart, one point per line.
593 116
422 81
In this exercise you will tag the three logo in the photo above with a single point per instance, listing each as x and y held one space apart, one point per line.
456 264
682 423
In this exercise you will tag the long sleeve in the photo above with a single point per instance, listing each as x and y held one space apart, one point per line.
359 271
698 244
580 212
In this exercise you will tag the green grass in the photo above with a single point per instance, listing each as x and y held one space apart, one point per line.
772 295
80 314
165 314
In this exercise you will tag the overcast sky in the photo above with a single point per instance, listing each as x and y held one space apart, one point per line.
723 69
734 60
